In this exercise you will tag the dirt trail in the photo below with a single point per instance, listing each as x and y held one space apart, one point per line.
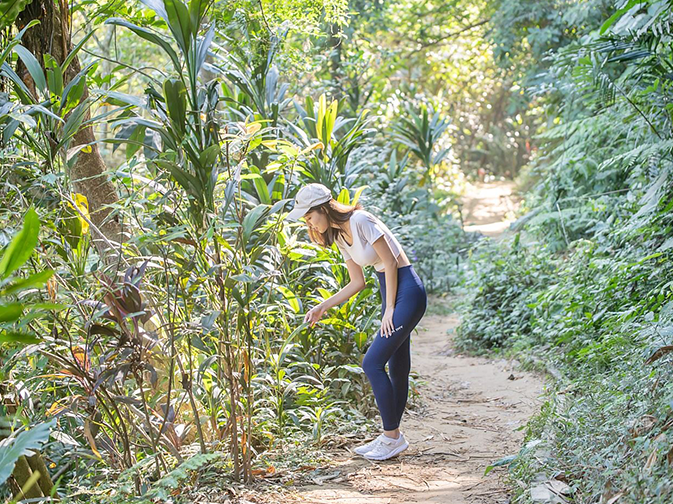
469 410
489 207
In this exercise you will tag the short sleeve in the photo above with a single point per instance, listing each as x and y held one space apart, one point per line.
369 228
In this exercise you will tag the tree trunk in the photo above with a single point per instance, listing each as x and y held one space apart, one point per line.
88 176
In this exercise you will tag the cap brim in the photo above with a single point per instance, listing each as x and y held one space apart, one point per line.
296 213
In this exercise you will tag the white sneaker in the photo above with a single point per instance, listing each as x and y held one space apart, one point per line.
387 448
361 450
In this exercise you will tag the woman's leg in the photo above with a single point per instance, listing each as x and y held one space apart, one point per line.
382 349
399 367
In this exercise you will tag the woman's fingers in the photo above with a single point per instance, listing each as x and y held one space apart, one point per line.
390 328
385 330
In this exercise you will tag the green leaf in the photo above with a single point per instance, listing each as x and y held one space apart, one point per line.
278 187
22 246
344 196
18 337
33 67
10 312
158 7
197 9
503 461
188 181
202 50
75 50
180 23
33 281
358 192
261 188
150 37
176 102
13 448
162 489
19 86
47 306
10 10
54 75
73 124
615 17
209 156
250 221
291 297
72 94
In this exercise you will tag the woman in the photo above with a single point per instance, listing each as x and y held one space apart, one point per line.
364 240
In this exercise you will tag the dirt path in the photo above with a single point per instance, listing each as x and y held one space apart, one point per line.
469 411
489 207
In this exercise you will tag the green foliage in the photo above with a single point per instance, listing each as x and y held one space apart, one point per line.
505 284
421 134
21 247
19 443
192 339
600 223
10 10
15 316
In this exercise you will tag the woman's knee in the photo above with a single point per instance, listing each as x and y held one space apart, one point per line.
371 363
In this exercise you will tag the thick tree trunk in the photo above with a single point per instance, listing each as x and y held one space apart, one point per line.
88 176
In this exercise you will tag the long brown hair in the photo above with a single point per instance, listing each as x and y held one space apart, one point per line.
336 213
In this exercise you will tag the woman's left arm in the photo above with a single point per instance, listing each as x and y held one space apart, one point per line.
382 248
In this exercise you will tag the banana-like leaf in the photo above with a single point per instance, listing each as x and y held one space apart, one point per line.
54 75
33 281
260 187
344 196
73 124
202 50
189 182
11 312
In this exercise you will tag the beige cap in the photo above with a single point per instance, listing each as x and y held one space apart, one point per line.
308 196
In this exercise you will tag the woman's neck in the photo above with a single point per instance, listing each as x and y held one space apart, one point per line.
346 230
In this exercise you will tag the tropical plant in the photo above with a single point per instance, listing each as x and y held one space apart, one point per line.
421 132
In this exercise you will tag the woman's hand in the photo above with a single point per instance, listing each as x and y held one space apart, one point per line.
387 326
314 314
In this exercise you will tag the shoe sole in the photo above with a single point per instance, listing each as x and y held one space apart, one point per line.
396 451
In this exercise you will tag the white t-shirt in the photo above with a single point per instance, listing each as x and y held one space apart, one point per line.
366 229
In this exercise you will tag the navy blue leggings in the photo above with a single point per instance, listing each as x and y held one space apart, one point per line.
391 391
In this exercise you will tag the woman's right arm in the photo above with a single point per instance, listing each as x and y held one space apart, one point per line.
356 284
